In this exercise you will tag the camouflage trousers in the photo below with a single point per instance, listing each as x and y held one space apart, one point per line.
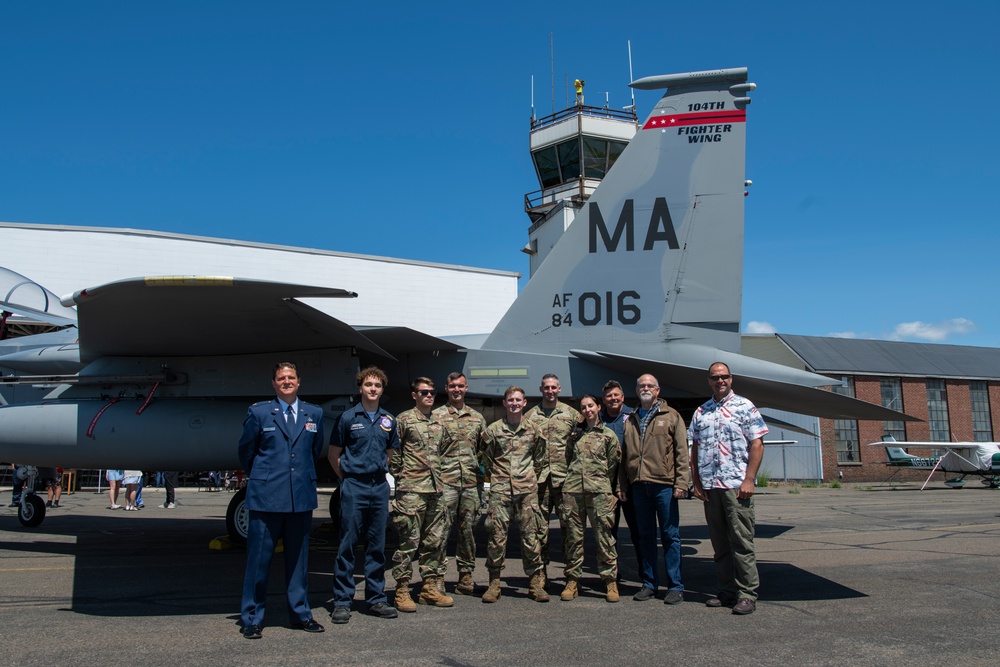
550 499
461 506
600 507
502 505
419 519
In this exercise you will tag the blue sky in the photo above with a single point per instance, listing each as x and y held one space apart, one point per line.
400 129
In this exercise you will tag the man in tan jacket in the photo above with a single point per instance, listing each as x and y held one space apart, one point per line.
654 473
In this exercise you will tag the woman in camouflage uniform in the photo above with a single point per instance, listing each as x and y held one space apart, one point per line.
593 454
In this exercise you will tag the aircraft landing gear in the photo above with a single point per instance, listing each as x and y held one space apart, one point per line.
238 518
31 512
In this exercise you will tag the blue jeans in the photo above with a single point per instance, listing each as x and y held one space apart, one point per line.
656 503
364 511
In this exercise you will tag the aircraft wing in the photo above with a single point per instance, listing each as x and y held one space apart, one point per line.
773 423
767 384
935 445
403 340
207 315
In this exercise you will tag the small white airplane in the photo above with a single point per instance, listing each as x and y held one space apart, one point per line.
960 458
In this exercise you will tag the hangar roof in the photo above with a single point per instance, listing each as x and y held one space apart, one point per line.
124 231
391 292
852 356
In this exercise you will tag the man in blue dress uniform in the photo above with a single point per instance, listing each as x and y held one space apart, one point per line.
359 453
281 440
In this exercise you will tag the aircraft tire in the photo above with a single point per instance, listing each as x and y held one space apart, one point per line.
31 513
238 517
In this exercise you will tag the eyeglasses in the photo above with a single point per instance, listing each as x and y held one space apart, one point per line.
716 378
425 392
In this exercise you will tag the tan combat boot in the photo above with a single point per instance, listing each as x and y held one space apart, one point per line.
492 593
570 591
431 595
612 595
403 600
536 588
465 584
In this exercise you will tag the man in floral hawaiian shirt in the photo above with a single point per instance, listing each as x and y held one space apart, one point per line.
727 447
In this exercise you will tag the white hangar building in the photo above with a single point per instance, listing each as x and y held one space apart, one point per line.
391 292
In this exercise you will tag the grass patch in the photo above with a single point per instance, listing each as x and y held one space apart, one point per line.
835 484
795 489
763 478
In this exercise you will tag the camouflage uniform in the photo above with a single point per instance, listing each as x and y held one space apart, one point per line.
593 464
513 458
416 510
555 428
462 482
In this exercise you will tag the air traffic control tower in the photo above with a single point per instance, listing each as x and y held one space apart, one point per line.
572 150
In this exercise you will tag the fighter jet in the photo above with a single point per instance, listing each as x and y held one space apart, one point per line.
157 372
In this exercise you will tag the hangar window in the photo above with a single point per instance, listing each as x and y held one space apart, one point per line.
937 411
846 430
982 426
892 398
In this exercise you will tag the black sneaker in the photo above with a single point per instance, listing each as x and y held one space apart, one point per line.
674 597
645 593
340 615
251 632
382 610
55 503
48 503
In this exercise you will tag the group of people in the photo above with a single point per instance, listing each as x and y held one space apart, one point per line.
129 480
132 481
594 463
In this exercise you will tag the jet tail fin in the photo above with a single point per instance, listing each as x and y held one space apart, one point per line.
656 255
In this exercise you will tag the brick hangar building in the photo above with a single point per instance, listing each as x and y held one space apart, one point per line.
953 390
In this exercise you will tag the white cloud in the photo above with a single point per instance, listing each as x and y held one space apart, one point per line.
935 332
759 328
843 334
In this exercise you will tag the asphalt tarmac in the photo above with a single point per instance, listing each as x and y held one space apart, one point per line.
858 576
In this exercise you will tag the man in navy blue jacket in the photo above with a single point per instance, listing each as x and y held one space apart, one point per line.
281 440
360 446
